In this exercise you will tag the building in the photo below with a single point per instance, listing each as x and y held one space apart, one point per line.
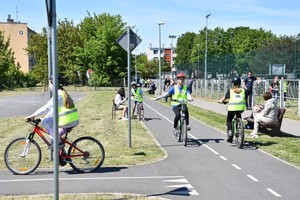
167 53
19 35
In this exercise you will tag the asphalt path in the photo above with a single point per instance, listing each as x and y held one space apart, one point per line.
208 168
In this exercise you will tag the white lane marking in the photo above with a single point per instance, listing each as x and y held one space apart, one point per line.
273 192
158 113
237 167
254 179
92 178
223 157
211 149
181 185
183 180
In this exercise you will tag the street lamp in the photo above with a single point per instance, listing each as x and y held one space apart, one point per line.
135 70
159 57
171 61
198 45
205 70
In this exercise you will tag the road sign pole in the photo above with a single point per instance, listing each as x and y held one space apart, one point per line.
129 88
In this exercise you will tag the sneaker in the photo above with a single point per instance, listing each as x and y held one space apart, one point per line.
188 128
254 136
124 118
175 132
229 136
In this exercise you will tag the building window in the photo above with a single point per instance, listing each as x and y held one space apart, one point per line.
155 51
20 32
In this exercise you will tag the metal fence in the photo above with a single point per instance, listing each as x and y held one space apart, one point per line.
282 58
216 89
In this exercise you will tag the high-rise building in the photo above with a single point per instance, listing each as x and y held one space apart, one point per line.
19 35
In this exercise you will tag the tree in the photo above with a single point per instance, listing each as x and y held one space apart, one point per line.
100 51
184 48
8 70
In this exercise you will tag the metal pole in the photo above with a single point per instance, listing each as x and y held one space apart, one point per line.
55 100
298 99
205 70
135 69
159 57
129 89
49 75
198 62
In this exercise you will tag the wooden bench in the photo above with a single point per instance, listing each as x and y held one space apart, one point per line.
275 127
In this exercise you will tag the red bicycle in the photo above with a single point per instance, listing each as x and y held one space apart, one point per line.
23 155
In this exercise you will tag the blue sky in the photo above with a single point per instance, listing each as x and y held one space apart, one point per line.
282 17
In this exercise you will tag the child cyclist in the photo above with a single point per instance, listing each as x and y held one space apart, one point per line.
237 104
137 94
179 91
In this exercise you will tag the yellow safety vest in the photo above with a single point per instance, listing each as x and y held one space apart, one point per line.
66 115
177 95
237 102
137 95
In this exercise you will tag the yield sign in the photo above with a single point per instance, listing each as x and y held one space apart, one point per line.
134 40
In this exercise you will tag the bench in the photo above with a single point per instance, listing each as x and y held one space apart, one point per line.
275 127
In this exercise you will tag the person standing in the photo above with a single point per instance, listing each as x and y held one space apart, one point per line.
248 86
274 89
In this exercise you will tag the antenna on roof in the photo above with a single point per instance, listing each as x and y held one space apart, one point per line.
17 19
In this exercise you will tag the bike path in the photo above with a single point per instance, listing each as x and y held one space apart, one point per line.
288 126
208 168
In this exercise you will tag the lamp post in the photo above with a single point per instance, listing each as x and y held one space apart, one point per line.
135 69
171 61
198 72
205 69
159 57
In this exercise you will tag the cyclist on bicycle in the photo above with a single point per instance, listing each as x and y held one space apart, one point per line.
237 104
67 111
137 94
179 91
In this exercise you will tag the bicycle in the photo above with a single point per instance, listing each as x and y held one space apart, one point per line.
237 131
139 110
181 132
23 155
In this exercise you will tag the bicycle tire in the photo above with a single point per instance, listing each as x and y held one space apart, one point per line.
179 131
18 164
184 132
239 133
139 112
91 159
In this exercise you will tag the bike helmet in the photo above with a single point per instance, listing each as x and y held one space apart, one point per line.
236 81
133 83
181 75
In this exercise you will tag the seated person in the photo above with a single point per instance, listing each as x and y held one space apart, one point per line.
267 115
119 100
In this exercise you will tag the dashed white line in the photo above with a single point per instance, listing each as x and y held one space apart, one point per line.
223 157
211 149
237 167
254 179
273 192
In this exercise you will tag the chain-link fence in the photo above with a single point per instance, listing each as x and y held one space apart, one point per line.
216 89
282 58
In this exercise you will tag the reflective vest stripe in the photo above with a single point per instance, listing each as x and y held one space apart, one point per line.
67 112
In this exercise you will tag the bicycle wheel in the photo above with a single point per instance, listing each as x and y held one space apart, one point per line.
239 134
184 132
87 154
22 164
139 112
179 130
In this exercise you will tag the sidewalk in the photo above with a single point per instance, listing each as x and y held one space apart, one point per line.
288 125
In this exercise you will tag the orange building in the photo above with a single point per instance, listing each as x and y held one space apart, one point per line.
19 35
